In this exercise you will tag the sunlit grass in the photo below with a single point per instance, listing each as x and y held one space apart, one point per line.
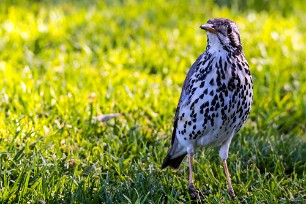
63 63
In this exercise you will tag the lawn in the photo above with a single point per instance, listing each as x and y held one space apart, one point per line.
62 63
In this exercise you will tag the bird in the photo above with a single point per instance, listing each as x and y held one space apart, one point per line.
215 101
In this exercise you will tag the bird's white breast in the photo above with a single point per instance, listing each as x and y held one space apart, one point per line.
208 117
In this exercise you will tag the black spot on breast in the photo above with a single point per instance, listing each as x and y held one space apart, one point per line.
212 122
217 105
225 63
193 90
239 66
211 82
231 84
219 78
221 88
246 81
247 71
205 120
211 92
193 115
214 101
228 58
220 62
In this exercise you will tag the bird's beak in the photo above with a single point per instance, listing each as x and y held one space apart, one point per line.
208 27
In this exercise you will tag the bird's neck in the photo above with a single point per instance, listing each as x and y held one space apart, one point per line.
215 46
217 50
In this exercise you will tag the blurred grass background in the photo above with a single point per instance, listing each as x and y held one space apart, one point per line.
63 62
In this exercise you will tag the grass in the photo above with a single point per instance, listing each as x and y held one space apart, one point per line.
62 63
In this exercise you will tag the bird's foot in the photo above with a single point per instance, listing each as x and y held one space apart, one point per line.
194 193
231 193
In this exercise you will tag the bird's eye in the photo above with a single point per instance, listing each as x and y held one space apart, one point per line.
229 29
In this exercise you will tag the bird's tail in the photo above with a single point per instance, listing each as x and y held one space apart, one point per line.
173 162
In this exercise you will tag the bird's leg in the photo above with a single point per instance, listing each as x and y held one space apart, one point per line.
229 182
224 155
190 169
192 190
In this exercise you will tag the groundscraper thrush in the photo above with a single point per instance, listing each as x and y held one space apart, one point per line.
215 101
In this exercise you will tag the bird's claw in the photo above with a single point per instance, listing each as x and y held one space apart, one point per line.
231 193
194 194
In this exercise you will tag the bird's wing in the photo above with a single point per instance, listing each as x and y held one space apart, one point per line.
169 160
184 94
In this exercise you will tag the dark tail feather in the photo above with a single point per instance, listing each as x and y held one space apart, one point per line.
173 163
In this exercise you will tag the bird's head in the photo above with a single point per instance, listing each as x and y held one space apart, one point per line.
224 33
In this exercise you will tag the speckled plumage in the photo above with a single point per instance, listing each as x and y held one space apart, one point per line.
216 96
